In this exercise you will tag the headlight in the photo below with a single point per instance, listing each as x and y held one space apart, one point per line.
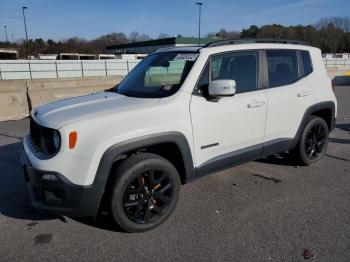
56 139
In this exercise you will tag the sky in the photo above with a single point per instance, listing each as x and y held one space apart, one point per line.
89 19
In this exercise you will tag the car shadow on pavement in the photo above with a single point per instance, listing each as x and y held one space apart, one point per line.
282 159
339 141
14 198
103 221
344 127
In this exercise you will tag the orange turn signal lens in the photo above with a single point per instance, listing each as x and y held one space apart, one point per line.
73 138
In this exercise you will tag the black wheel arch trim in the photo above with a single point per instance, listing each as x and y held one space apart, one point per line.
112 153
310 111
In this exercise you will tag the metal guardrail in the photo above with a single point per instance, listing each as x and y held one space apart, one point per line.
35 69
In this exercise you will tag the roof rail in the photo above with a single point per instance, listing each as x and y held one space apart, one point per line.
254 41
177 48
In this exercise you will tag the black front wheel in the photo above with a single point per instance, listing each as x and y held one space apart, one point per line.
313 141
145 192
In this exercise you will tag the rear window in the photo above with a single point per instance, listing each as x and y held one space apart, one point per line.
305 55
282 67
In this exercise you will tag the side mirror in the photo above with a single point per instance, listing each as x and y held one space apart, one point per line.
221 88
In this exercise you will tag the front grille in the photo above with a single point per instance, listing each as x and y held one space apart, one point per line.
42 138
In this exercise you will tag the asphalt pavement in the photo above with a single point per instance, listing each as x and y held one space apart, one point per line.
267 210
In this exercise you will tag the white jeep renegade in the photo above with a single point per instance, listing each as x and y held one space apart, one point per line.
182 113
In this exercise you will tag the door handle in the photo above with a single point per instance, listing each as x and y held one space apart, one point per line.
303 94
256 104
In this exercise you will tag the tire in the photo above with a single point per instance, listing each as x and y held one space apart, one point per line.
141 196
313 142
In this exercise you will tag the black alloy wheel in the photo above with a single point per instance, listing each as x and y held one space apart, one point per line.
316 141
313 142
145 192
148 196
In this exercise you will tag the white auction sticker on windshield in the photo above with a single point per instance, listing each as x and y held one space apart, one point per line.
186 57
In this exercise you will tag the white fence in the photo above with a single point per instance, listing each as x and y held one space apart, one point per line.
34 69
337 63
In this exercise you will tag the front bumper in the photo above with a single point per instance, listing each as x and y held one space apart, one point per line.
60 196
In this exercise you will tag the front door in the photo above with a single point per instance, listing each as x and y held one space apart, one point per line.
230 130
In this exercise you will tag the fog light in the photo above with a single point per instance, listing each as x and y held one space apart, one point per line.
53 197
49 177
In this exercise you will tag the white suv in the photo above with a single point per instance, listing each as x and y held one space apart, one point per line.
182 113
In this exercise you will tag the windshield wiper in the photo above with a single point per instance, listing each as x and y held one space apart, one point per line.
131 94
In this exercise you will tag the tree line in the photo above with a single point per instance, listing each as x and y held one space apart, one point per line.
331 35
72 45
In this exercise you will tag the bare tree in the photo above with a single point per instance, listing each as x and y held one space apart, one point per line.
135 36
163 35
225 34
342 23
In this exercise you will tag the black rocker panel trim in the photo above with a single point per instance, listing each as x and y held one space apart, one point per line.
276 146
229 160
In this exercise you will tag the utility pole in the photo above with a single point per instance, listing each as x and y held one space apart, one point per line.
25 28
7 40
199 21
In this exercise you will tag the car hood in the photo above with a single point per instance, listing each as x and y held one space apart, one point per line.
60 113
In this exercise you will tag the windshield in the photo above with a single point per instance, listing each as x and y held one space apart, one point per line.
158 75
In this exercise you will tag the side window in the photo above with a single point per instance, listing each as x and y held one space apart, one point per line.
203 83
215 68
282 67
239 66
305 55
204 79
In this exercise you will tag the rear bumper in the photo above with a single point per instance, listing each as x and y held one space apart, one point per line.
60 196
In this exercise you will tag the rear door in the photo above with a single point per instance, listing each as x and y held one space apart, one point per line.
289 94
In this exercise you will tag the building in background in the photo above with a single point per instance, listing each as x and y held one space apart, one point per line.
68 56
8 54
150 46
106 56
47 56
130 56
336 55
87 57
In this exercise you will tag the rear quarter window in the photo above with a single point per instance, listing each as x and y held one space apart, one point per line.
307 64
